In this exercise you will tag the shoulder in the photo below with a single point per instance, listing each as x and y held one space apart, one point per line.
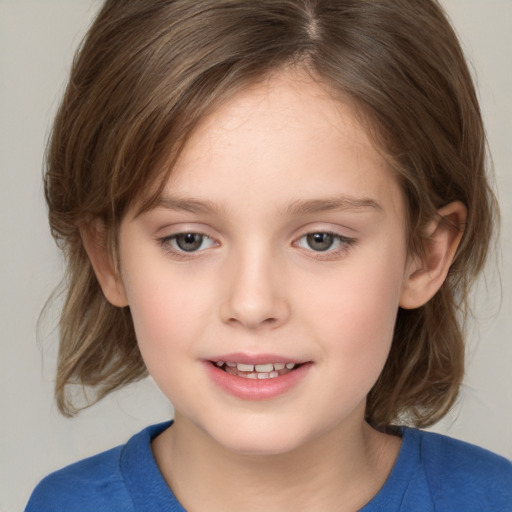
463 474
112 480
81 486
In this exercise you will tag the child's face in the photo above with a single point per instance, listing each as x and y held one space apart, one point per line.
295 253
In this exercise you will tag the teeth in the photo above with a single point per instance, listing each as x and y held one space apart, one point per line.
244 367
260 371
253 375
264 367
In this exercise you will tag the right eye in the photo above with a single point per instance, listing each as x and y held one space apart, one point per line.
187 242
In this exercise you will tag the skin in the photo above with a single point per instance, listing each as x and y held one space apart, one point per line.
259 175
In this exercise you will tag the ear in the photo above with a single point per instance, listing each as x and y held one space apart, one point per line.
425 274
94 240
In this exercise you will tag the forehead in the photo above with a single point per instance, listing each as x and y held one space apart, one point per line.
284 139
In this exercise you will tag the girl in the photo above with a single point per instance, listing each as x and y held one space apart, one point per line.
276 208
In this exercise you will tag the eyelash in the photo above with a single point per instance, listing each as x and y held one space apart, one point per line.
344 245
167 244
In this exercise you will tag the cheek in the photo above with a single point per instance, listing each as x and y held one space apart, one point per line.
365 301
354 317
166 324
165 312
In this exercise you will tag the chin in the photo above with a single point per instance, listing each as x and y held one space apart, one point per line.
260 440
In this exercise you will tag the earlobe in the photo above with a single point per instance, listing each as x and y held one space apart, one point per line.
425 274
94 240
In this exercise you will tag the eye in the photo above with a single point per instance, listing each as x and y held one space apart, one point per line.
324 242
187 242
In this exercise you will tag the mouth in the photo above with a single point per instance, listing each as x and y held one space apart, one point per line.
256 371
256 377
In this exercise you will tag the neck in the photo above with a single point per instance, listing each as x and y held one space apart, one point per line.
340 470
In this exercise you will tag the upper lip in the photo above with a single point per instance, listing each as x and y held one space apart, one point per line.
245 358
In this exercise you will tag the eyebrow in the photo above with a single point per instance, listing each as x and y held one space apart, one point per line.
296 207
332 204
187 204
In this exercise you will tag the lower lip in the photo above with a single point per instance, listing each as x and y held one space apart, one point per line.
256 389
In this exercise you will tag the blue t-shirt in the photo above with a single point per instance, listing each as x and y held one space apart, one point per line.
432 473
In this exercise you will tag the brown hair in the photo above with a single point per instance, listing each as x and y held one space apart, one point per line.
149 70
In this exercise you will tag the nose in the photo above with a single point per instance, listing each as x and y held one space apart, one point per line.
255 296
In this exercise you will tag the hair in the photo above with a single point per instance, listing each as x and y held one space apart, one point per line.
149 70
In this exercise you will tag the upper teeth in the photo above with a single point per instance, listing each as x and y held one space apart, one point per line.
263 368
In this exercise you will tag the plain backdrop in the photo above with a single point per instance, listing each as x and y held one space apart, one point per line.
37 42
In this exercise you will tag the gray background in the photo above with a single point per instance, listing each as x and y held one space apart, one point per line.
37 42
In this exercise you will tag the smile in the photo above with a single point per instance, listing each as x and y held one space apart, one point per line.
256 376
256 371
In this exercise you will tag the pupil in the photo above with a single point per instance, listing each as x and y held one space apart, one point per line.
189 241
320 241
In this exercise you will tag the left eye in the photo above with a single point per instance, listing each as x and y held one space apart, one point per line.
189 242
322 241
